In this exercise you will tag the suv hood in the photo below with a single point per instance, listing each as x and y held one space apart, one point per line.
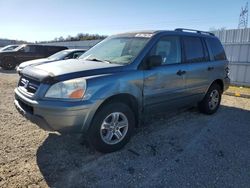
35 62
68 69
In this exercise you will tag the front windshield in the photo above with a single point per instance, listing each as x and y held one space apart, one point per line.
9 47
59 55
120 50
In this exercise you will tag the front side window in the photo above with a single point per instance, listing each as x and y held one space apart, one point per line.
77 54
168 48
120 50
29 49
193 49
216 49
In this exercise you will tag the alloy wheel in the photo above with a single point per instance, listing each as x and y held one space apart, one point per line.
114 128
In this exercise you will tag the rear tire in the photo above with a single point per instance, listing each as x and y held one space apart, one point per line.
9 63
211 101
111 128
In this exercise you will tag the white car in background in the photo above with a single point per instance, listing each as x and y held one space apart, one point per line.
62 55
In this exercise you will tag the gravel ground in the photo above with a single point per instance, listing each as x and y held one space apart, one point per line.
182 149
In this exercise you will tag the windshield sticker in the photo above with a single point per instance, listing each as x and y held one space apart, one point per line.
146 35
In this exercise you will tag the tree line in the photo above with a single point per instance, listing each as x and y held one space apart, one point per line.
78 37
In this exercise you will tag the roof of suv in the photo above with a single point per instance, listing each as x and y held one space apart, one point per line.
73 50
178 31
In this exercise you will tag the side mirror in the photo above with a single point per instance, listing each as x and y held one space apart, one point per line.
154 61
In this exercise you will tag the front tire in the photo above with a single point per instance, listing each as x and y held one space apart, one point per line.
211 101
111 128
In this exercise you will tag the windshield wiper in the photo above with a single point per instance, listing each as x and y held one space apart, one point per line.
99 60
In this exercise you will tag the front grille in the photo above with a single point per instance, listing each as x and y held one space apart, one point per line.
29 85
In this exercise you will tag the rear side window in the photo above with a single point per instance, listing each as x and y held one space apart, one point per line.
216 48
193 49
40 49
52 49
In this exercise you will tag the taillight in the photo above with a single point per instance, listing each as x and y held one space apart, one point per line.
227 71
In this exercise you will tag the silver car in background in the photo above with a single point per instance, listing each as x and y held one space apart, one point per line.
62 55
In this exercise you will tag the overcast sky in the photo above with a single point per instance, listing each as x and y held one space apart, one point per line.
37 20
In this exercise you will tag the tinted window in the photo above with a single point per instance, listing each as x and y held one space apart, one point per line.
193 49
30 49
216 49
52 49
169 49
39 49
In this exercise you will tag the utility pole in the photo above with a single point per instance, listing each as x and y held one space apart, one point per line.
243 20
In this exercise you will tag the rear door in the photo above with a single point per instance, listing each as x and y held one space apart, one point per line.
197 61
164 85
40 51
218 64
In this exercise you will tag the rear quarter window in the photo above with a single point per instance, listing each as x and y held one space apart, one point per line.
216 49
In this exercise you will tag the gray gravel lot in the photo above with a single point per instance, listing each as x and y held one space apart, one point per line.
181 149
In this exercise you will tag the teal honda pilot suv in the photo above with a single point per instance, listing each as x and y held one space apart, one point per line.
106 92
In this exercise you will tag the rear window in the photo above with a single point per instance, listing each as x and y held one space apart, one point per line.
216 48
193 49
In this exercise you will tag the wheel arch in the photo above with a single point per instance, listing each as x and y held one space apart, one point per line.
4 58
125 98
219 82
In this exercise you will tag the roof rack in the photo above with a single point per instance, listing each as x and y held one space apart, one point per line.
193 30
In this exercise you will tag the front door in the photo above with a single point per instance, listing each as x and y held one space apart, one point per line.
28 52
164 85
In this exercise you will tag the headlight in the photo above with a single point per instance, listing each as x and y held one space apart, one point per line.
69 89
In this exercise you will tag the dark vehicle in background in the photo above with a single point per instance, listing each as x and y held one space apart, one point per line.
10 59
62 55
9 47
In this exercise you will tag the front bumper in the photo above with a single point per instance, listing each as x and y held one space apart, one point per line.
53 115
18 69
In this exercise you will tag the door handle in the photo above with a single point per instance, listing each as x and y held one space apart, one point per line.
180 72
210 68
